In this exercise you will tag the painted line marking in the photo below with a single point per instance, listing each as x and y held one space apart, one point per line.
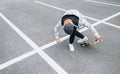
52 63
112 25
61 9
58 8
103 3
49 60
50 6
17 59
6 64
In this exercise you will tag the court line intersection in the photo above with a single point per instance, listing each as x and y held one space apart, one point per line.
39 50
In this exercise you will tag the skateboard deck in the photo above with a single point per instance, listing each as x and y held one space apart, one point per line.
88 43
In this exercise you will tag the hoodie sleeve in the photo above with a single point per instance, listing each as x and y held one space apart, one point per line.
84 22
94 31
57 29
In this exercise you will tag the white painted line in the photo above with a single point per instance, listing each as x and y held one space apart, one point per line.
49 60
91 18
101 21
4 65
61 9
58 8
52 63
47 45
50 6
112 25
108 18
27 39
17 59
103 3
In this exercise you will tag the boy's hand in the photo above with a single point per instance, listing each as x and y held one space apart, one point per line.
98 38
58 40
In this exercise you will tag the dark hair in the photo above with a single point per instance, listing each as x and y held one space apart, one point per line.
74 19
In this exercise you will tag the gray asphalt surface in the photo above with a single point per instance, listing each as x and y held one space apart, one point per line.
37 21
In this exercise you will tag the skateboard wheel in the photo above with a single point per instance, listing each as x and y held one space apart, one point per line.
83 45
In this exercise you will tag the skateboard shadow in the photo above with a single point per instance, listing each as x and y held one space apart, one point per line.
91 49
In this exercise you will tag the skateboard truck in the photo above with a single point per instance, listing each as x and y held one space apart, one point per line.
84 44
95 42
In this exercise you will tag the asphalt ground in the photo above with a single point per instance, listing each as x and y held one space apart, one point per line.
27 42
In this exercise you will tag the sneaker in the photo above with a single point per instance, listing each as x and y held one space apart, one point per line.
71 47
82 40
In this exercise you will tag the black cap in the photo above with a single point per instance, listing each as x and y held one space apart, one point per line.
69 28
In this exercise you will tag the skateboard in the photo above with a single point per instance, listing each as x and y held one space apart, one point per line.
88 43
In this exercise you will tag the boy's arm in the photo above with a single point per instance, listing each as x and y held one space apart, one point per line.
88 25
84 22
94 31
57 29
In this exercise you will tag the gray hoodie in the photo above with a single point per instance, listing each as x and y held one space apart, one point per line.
82 23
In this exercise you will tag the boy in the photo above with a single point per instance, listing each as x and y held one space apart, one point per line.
70 21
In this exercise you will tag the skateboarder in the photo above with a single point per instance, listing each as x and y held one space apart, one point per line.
70 22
